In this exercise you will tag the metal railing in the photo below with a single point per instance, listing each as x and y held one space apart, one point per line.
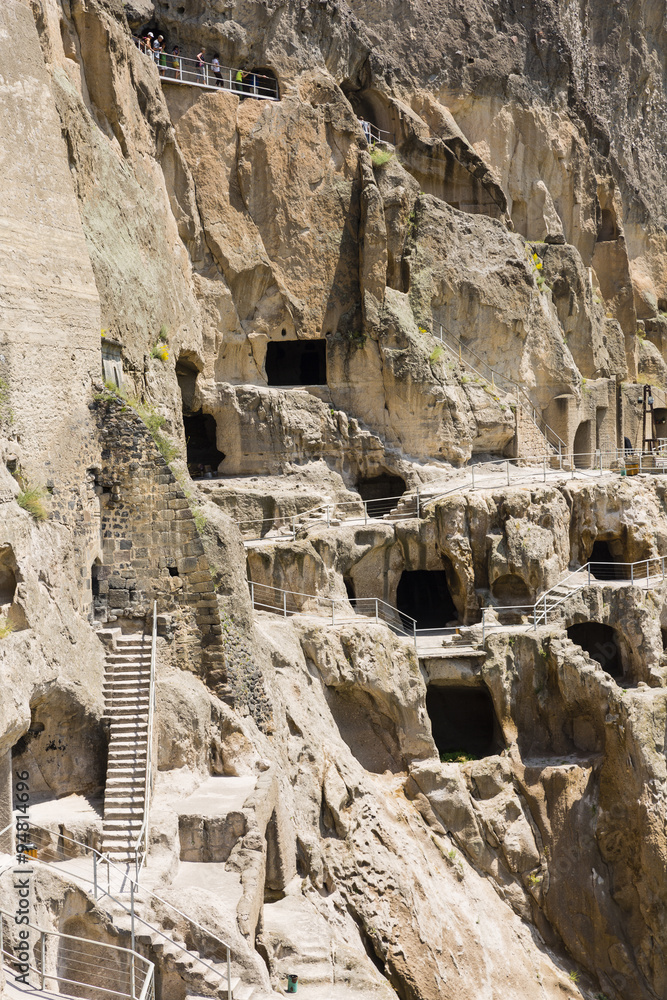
86 864
413 502
376 136
514 388
180 69
141 845
648 573
95 969
335 610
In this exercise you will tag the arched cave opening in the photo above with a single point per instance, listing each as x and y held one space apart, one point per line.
604 566
601 643
608 228
349 587
296 362
463 721
7 577
203 453
380 492
663 633
188 368
262 82
510 590
65 748
424 595
583 445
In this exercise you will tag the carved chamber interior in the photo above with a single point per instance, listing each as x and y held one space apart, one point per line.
425 596
296 362
463 720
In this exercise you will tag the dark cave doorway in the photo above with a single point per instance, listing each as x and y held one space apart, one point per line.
463 721
296 362
601 643
381 493
425 596
604 566
203 454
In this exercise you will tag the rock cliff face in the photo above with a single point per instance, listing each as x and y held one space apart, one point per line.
291 321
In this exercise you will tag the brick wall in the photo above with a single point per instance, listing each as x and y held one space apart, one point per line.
147 530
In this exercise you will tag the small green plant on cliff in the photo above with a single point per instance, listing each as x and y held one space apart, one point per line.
31 498
380 156
455 757
535 880
356 338
163 335
160 351
574 976
436 353
6 627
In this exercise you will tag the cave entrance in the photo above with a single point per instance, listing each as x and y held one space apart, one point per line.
261 82
424 595
604 566
608 229
463 721
349 588
583 445
601 643
7 577
203 453
381 493
296 362
510 590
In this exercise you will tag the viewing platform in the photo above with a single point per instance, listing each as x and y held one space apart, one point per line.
179 69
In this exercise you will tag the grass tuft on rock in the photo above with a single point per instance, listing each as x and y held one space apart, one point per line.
379 157
6 627
31 498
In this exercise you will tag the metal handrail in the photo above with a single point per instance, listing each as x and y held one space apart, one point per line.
598 459
527 406
381 610
101 861
141 845
542 608
189 71
137 963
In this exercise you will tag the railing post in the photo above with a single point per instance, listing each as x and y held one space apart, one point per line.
284 604
414 632
508 471
589 573
42 935
252 593
133 990
333 612
418 504
376 610
632 573
328 516
132 911
483 624
293 527
472 472
365 511
544 469
2 940
229 975
647 573
663 567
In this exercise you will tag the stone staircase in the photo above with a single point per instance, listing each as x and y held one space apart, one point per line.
172 956
127 693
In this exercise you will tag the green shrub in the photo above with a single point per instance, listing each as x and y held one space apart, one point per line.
31 498
380 156
455 757
160 351
163 335
6 627
436 353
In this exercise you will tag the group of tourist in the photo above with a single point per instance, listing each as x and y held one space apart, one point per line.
170 64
